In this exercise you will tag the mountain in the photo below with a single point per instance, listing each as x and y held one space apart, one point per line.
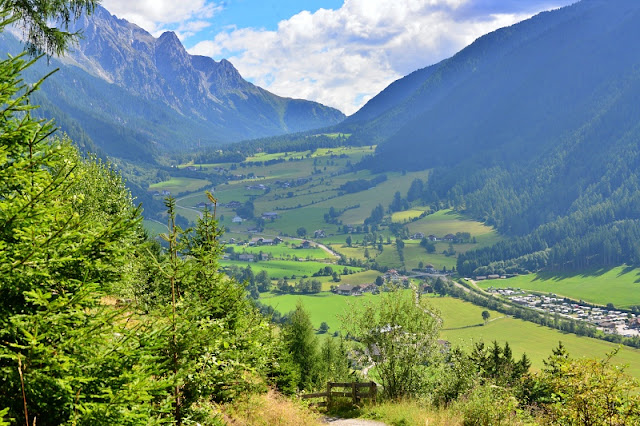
533 128
135 95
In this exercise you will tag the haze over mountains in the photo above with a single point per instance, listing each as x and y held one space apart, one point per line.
134 95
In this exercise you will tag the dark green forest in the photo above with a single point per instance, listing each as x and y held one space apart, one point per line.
532 129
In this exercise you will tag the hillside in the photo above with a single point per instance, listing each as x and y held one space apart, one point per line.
532 128
136 95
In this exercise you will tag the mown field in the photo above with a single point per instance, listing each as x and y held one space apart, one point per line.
179 185
285 268
462 325
620 286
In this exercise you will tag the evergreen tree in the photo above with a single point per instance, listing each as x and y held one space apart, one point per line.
301 343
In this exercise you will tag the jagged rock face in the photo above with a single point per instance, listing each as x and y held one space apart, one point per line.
197 97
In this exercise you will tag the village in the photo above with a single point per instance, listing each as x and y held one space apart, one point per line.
608 319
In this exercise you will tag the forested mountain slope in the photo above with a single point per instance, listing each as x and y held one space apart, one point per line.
135 95
535 129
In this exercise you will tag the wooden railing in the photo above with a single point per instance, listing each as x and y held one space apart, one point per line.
353 392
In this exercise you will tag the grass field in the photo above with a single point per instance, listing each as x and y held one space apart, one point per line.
179 185
445 222
154 228
399 217
620 286
285 268
284 252
463 326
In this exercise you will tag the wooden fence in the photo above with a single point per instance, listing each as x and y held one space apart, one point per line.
353 392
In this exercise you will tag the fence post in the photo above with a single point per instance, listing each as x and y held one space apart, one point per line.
328 394
373 390
354 393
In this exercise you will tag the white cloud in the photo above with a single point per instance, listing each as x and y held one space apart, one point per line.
344 57
156 15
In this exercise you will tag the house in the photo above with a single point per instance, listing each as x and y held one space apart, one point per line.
246 257
233 204
493 276
277 240
319 233
264 256
236 219
265 242
305 244
426 288
449 237
269 215
432 237
634 323
368 288
417 236
348 290
165 192
481 277
192 168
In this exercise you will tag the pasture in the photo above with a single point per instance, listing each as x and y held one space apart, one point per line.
179 185
285 268
620 285
462 326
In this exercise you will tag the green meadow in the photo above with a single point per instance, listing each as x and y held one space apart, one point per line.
179 185
463 326
445 222
620 286
283 252
285 268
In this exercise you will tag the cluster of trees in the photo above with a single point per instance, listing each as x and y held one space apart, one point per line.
358 185
304 286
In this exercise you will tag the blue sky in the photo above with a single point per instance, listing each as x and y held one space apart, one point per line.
337 52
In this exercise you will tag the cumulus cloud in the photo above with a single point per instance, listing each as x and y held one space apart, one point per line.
186 17
344 57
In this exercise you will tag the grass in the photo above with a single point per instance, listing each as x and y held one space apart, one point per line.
281 268
284 252
268 409
399 217
445 222
620 285
179 185
463 326
411 412
154 228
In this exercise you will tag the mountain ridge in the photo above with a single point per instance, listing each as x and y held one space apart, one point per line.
159 96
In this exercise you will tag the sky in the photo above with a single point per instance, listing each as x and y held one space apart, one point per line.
337 52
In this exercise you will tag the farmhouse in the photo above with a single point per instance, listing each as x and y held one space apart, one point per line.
449 237
269 215
319 233
432 237
426 288
368 288
417 236
236 219
349 290
246 257
305 244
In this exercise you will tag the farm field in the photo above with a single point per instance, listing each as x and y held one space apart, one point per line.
620 286
445 222
285 268
284 252
462 326
154 228
179 185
